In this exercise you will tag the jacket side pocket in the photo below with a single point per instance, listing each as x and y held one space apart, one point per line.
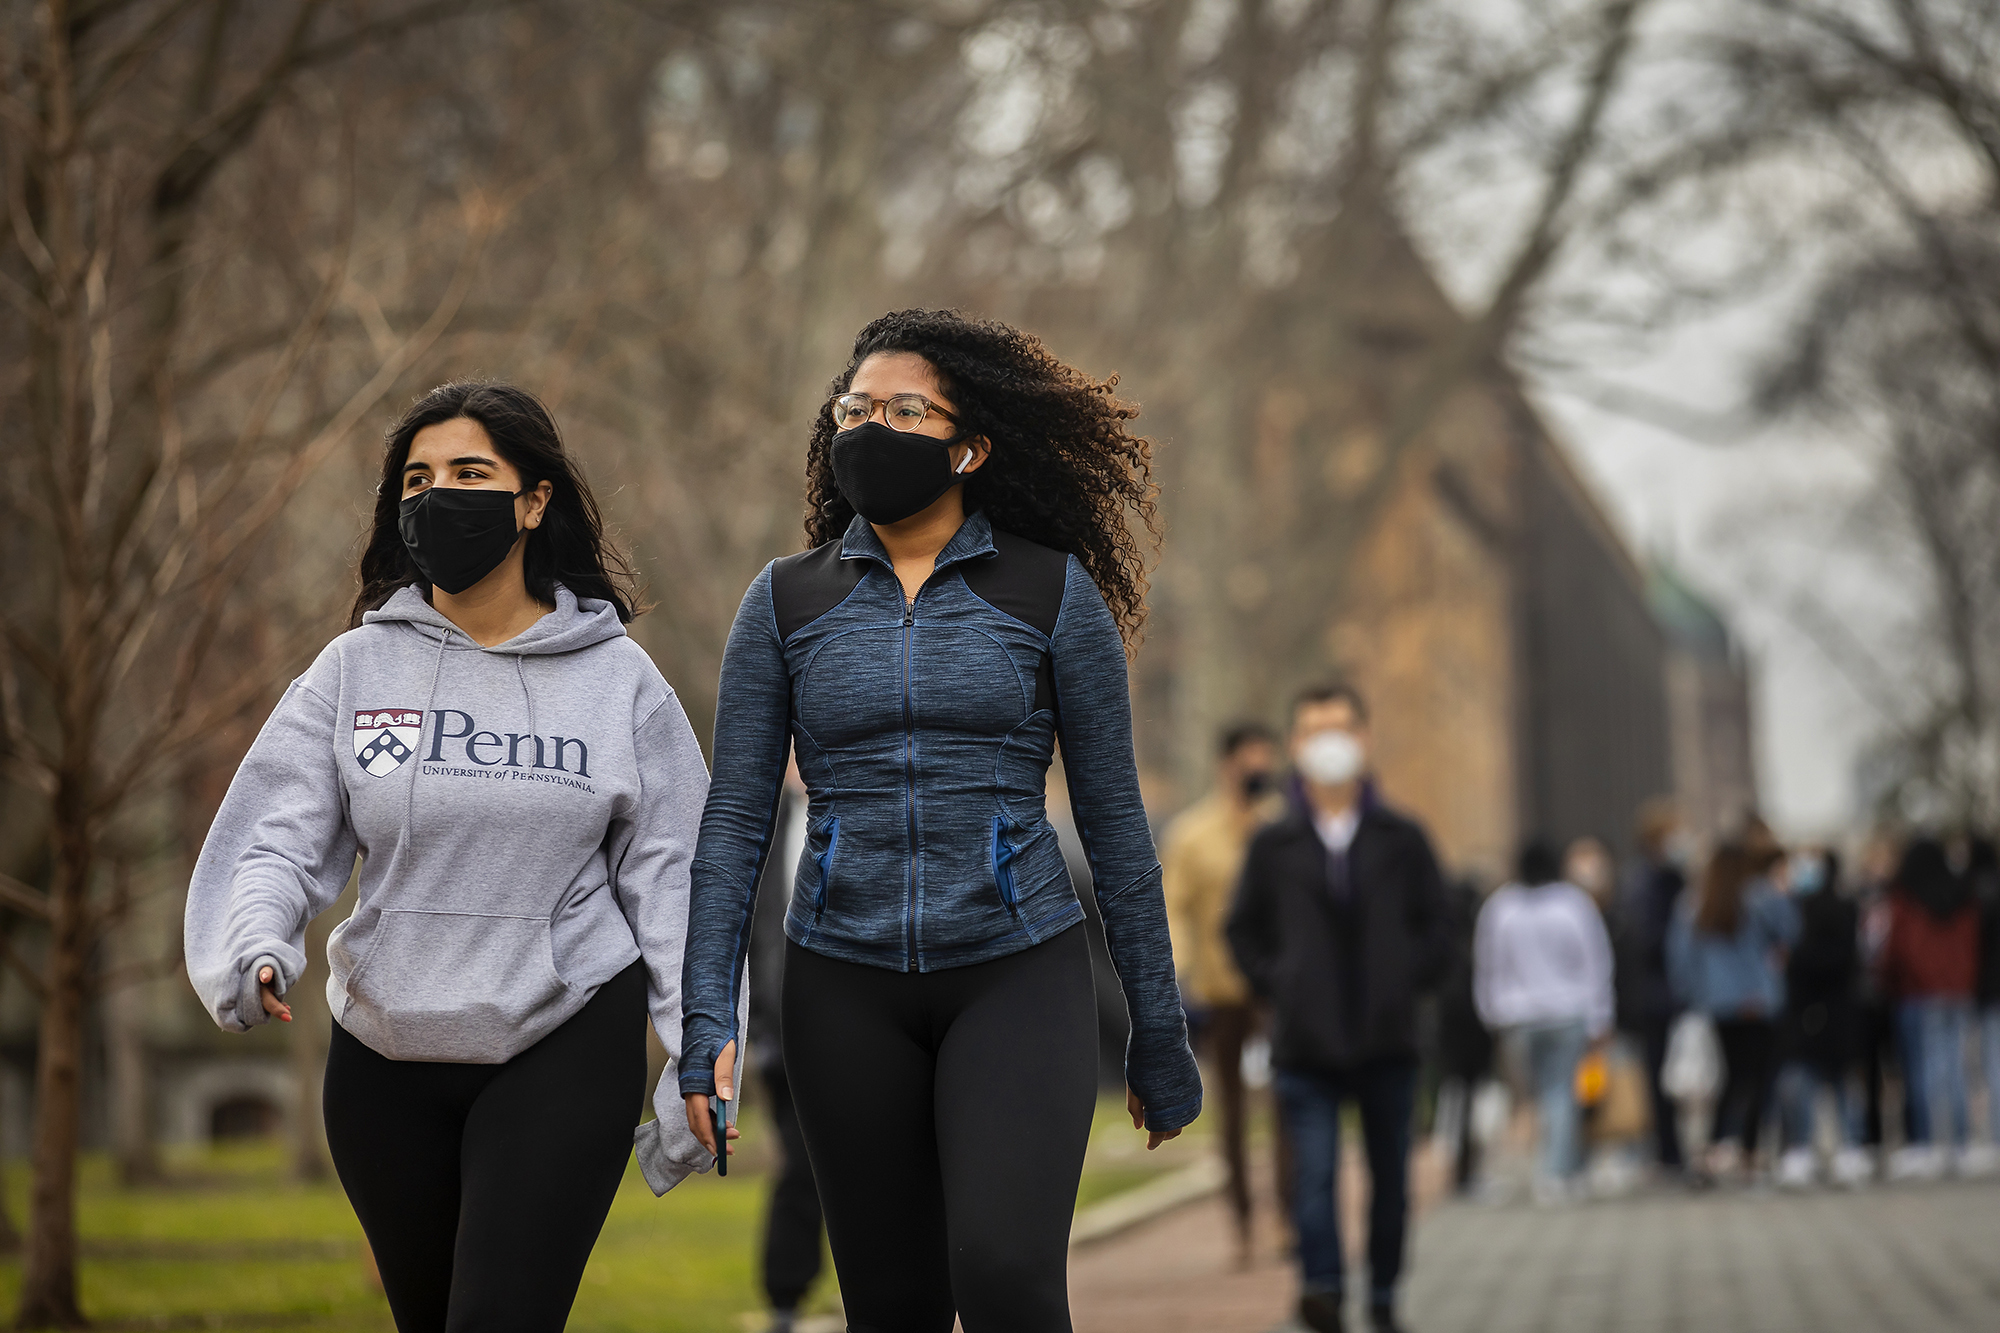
1003 864
825 863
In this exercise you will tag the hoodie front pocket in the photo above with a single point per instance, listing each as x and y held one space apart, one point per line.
456 986
824 861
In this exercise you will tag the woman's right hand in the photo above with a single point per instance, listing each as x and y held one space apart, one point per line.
725 1088
1137 1110
273 1006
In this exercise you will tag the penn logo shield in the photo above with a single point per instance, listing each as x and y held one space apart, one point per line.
385 737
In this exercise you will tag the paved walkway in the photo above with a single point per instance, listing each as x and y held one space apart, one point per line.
1917 1259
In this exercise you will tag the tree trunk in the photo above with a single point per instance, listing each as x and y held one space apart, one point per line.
311 1030
10 1235
309 1153
48 1275
132 1138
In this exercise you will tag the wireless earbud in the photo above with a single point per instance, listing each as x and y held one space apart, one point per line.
963 463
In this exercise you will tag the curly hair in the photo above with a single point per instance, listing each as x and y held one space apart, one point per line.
1063 470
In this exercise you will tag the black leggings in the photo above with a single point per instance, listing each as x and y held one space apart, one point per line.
1749 1049
946 1115
482 1187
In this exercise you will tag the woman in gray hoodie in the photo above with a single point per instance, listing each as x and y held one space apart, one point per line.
523 791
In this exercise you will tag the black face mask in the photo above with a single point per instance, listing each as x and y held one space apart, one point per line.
1256 784
456 535
888 475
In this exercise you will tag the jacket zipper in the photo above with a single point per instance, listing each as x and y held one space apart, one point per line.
910 792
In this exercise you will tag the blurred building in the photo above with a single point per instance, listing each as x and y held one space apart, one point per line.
1520 677
1708 709
1527 674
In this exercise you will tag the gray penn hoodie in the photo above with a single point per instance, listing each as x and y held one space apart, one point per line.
525 816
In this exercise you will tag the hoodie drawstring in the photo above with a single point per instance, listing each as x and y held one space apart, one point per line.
410 792
521 670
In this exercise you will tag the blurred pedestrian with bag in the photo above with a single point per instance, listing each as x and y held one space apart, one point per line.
1542 974
1613 1089
1725 955
1201 864
1341 923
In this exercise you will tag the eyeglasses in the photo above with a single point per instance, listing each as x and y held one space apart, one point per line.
904 411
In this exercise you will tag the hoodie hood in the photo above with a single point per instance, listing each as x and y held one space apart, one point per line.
575 623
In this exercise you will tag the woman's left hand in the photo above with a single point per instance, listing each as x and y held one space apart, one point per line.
725 1088
1154 1138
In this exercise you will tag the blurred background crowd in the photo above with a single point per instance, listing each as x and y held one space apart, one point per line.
1738 1013
1779 1017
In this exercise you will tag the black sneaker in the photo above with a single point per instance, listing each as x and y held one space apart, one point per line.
1320 1312
1382 1319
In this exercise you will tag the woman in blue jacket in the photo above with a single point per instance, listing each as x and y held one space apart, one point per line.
966 604
1726 958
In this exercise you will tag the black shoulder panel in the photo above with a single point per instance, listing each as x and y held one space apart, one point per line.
806 586
1025 580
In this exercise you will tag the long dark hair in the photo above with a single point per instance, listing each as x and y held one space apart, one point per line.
1064 471
1718 904
569 547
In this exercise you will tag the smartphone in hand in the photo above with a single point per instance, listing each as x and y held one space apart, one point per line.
721 1115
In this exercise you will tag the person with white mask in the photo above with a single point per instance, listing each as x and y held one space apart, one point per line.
1340 924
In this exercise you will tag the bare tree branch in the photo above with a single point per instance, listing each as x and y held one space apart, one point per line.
23 899
29 975
226 553
1476 340
120 65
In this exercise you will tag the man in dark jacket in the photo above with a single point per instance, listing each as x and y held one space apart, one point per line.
1465 1047
1646 1006
1340 923
1817 1037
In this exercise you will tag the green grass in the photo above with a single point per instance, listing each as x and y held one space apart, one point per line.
231 1243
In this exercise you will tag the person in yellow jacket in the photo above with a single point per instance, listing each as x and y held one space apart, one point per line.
1201 859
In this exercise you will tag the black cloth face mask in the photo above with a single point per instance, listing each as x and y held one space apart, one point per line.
457 535
888 475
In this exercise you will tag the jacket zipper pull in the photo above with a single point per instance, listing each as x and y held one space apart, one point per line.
909 614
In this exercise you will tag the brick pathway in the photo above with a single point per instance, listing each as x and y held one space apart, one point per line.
1918 1259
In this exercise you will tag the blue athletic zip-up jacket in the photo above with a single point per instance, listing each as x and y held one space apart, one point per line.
924 733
